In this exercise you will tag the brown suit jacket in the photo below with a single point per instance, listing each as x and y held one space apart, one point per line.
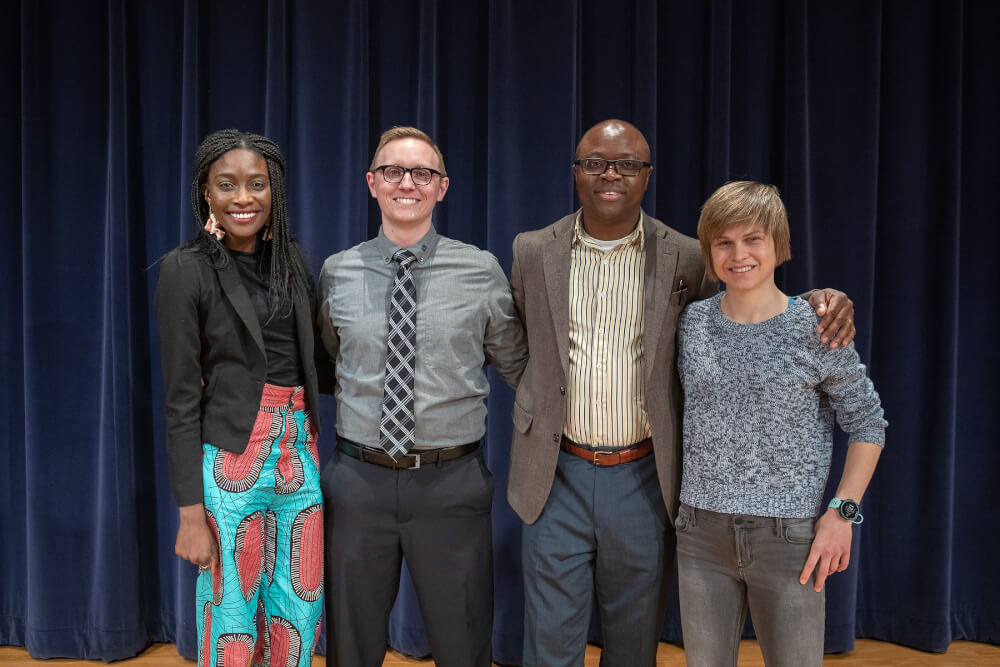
540 284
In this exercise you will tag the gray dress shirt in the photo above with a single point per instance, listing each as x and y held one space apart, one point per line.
465 320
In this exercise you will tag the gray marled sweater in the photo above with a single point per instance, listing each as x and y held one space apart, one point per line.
759 403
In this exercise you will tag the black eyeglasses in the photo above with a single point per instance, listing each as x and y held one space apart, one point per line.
393 173
595 166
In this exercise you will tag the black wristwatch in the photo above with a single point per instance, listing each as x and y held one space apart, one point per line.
849 509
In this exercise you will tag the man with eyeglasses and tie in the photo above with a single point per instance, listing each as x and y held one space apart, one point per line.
595 459
410 319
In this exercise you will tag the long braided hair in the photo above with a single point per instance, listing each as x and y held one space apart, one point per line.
286 275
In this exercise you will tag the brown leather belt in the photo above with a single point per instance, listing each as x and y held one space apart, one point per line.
423 457
623 455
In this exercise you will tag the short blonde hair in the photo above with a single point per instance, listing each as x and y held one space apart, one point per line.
406 132
739 203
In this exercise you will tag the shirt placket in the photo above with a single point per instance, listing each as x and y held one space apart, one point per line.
600 380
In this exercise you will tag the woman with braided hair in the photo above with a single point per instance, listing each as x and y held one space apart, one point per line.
236 313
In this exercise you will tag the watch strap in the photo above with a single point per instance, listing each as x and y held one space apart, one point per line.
837 504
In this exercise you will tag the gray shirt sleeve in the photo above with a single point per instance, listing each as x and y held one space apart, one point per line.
504 342
328 332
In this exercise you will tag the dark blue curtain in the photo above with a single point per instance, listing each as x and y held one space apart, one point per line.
878 121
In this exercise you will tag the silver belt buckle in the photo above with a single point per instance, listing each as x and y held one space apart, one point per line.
417 464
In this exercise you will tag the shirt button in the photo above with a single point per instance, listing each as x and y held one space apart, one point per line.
562 390
555 437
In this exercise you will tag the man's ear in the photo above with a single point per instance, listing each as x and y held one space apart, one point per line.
444 188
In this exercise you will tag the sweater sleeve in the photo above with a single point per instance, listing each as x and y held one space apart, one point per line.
852 395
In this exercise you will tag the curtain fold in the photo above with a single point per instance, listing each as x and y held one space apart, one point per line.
876 120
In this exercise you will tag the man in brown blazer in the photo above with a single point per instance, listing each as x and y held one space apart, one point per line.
595 460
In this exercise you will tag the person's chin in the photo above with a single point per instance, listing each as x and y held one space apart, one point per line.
606 208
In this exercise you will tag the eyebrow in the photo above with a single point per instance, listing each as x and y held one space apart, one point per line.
232 176
635 157
726 235
597 154
402 167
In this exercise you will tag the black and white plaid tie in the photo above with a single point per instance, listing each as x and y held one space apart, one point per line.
396 426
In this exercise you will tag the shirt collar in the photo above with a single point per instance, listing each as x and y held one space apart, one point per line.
636 237
422 249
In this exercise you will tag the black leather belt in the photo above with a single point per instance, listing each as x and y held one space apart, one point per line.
424 457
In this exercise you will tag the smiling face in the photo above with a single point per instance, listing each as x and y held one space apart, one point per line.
736 206
238 192
610 201
404 205
744 257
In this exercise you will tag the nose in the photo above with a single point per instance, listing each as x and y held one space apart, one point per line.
243 195
611 172
407 181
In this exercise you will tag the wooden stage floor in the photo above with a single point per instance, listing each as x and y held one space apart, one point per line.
867 652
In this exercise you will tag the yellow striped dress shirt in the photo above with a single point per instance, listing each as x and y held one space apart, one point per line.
606 400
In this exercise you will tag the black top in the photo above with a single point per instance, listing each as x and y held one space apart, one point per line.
280 342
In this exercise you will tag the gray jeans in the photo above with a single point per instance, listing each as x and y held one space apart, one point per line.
726 562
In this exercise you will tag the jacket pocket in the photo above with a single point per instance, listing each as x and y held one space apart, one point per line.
522 419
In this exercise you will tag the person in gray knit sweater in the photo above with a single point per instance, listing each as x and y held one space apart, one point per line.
760 394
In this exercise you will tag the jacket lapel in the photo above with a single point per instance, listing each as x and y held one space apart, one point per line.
661 264
233 288
556 256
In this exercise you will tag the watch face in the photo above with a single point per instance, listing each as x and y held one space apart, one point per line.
849 509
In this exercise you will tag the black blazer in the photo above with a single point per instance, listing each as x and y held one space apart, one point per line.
214 364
